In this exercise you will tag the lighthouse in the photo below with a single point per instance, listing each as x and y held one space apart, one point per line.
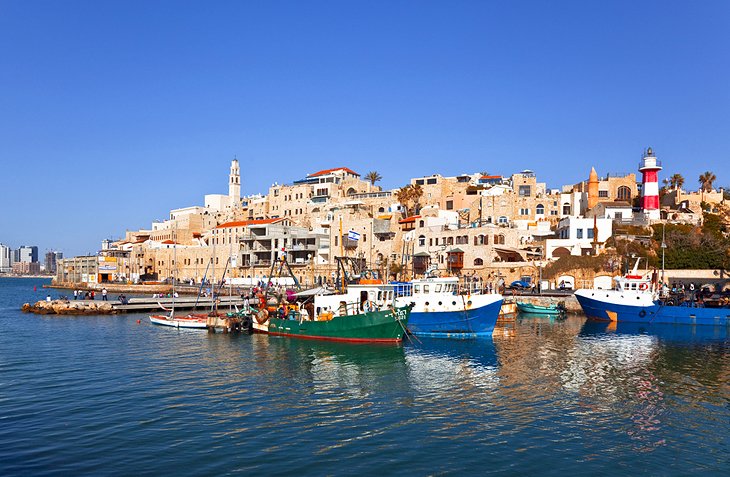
649 168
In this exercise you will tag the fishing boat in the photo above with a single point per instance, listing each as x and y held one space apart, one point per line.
635 299
551 309
363 313
189 321
443 309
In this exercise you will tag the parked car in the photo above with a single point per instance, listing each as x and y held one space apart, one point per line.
519 285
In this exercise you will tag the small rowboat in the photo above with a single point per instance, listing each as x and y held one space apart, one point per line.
190 321
552 309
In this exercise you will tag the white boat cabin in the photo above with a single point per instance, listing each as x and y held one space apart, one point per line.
357 299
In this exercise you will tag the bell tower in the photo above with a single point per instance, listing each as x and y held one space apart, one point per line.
234 184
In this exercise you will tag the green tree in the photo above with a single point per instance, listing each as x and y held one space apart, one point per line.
706 181
676 181
373 177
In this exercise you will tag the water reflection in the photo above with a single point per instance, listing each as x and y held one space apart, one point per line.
664 331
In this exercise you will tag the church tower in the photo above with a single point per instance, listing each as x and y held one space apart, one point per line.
234 185
592 189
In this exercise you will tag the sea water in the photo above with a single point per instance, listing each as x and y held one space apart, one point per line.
115 395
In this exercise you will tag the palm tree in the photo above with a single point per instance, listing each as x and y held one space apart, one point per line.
373 177
676 181
416 194
404 196
706 181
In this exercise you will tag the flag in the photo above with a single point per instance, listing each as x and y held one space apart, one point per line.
352 235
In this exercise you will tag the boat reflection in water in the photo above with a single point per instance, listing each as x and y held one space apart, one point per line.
664 331
438 367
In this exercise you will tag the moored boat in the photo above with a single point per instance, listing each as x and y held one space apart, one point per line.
441 309
189 321
533 309
365 312
635 299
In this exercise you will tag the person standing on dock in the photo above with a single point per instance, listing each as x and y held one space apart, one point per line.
76 294
103 294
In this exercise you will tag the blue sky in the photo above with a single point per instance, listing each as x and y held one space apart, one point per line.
112 113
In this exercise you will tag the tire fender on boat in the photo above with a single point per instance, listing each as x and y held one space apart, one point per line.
642 313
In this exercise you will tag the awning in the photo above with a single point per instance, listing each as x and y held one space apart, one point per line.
315 291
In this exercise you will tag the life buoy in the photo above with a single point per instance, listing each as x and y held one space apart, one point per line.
643 286
262 316
369 306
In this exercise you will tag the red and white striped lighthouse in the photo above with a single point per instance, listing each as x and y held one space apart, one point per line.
649 169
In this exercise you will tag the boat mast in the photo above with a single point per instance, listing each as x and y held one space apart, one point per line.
174 261
664 246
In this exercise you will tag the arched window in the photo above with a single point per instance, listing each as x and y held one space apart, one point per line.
351 191
503 220
420 223
624 193
478 262
421 240
540 209
381 209
450 241
566 209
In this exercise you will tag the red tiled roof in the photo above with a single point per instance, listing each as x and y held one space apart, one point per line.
327 171
491 177
244 223
168 242
410 219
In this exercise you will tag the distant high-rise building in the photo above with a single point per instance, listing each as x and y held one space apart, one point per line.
6 258
52 258
27 253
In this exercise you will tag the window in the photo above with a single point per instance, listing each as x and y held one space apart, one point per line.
420 223
566 209
540 209
419 181
589 233
478 262
579 233
421 240
524 211
602 193
431 181
430 242
624 193
524 191
449 205
502 220
553 212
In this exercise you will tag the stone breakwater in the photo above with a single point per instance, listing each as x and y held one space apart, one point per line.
63 307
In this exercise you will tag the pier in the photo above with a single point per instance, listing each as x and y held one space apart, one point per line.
133 305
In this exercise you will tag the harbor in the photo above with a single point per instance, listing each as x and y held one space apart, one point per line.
231 395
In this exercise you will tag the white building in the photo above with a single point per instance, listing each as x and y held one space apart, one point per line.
6 259
579 236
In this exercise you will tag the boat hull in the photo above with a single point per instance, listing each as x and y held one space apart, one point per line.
386 326
468 322
530 309
610 305
191 323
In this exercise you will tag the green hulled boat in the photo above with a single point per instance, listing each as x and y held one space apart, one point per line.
552 309
384 326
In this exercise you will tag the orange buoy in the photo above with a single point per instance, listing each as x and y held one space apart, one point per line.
139 321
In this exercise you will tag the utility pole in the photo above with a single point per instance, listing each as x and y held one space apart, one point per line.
664 247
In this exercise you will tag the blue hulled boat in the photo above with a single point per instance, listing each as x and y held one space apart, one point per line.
634 300
442 310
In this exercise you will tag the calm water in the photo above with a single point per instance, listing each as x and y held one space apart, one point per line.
108 396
